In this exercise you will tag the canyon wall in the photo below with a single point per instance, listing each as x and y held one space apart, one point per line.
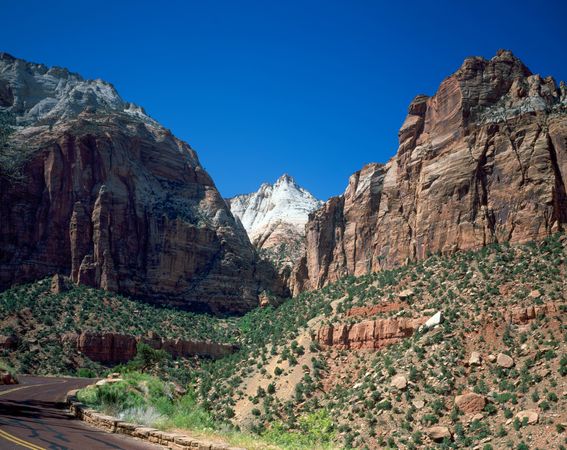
113 348
482 161
112 199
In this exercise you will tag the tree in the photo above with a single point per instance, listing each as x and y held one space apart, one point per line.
148 357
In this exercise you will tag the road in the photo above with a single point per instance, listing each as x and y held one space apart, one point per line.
33 416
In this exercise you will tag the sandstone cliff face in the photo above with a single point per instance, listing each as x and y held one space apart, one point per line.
114 200
368 334
112 348
484 160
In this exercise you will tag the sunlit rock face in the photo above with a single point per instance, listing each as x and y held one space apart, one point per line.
484 160
275 217
114 200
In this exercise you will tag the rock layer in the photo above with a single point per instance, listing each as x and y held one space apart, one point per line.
368 334
484 160
115 201
112 348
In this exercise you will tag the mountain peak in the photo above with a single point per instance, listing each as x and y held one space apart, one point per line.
286 178
283 204
40 95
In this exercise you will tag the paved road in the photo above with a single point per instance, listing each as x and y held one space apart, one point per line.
33 416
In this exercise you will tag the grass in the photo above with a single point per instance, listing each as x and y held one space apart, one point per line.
148 400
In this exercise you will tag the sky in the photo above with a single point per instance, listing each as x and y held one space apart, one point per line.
313 88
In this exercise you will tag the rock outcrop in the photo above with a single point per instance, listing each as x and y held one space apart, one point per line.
114 200
275 216
368 334
484 160
112 348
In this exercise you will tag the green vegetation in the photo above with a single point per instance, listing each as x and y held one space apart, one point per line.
41 318
147 400
294 393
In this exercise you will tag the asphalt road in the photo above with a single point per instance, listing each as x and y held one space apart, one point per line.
33 416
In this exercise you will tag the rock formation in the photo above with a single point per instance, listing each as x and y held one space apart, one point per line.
368 334
112 348
484 160
114 200
275 216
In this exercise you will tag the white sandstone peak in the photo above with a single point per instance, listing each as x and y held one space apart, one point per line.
39 95
277 209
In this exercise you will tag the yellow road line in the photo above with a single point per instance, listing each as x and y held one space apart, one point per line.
11 438
30 386
16 440
16 389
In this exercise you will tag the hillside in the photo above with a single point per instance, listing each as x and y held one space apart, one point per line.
35 321
386 384
350 365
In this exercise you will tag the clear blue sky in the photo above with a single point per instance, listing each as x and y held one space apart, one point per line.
313 88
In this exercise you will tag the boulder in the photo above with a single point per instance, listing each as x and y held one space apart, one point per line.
438 433
399 382
504 361
474 359
418 403
531 415
470 403
9 342
405 294
434 320
58 284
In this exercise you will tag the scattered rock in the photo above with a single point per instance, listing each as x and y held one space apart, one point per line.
491 358
532 416
504 360
400 382
475 359
478 416
438 433
434 320
535 294
470 403
406 293
418 403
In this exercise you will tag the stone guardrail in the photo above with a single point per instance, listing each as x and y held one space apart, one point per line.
173 441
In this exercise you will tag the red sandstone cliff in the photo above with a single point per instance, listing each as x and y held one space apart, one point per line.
484 160
111 348
115 201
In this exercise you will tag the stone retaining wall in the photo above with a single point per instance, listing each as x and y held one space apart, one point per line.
173 441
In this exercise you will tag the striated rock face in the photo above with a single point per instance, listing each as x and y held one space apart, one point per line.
111 348
484 160
275 216
114 200
368 334
519 315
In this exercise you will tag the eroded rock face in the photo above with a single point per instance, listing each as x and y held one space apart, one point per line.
368 334
274 218
115 201
112 348
484 160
